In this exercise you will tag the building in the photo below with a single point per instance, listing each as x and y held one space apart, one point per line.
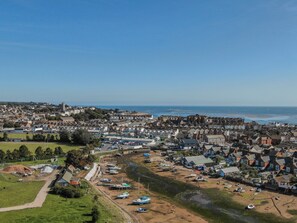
196 161
228 170
63 107
132 116
67 119
189 143
215 139
64 179
266 140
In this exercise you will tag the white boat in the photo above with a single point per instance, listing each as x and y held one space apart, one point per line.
141 210
200 179
114 168
250 207
105 180
113 172
142 200
123 195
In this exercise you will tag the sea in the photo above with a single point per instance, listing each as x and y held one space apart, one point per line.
262 115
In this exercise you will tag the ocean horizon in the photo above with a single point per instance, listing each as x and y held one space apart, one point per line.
262 115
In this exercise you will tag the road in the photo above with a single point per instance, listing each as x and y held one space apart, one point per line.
40 198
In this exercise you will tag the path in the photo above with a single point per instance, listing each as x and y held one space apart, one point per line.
40 198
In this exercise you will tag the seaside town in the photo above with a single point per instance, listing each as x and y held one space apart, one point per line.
128 157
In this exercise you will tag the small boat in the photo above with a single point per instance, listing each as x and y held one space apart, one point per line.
123 195
105 180
142 200
141 210
250 207
120 186
110 165
258 190
200 179
239 190
114 168
146 155
113 172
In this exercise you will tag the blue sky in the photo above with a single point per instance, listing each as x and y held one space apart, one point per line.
154 52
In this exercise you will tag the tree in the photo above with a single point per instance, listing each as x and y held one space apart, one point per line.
16 154
28 138
59 151
64 136
95 214
8 124
8 155
39 152
81 137
5 136
24 152
48 137
39 138
95 198
52 138
74 157
48 153
2 155
90 158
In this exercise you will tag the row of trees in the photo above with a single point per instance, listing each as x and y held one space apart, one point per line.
23 153
78 137
35 137
43 138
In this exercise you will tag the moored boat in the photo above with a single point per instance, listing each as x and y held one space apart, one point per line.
250 207
142 200
123 195
141 210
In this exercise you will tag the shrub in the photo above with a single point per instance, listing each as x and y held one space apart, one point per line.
68 191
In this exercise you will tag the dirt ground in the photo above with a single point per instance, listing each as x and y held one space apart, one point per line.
160 210
265 201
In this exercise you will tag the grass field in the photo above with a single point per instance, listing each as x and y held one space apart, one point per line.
14 193
61 210
33 145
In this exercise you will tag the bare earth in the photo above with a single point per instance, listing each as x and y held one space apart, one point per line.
265 201
160 210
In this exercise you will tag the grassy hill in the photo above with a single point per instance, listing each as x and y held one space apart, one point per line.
14 193
60 210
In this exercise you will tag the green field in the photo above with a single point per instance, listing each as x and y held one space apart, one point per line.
14 193
33 145
61 210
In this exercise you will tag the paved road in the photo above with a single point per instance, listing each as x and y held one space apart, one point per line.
40 198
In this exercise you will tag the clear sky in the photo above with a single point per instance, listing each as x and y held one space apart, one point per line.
149 52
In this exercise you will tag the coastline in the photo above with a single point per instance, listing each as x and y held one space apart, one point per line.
262 115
